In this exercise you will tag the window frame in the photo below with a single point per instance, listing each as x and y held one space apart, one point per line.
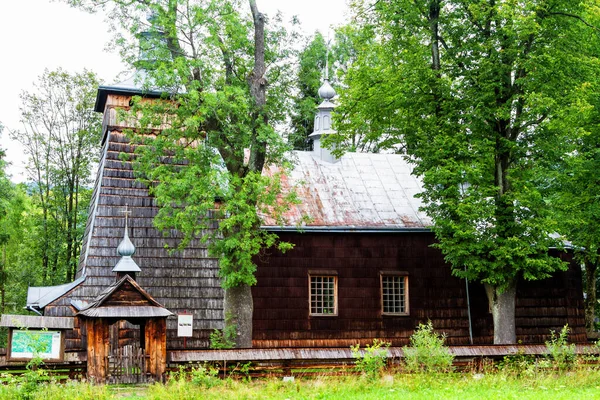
394 274
323 274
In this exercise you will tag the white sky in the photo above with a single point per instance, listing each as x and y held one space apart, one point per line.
39 34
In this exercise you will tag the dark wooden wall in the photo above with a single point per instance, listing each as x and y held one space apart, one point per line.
281 316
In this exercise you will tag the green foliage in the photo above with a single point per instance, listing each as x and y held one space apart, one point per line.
216 116
60 137
559 351
481 96
73 390
224 339
310 78
576 385
29 382
245 370
519 365
205 376
202 375
372 360
427 352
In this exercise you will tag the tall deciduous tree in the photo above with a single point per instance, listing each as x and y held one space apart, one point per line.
575 194
7 195
480 93
226 74
60 134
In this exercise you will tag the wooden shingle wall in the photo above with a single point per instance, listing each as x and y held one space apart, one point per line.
281 315
184 281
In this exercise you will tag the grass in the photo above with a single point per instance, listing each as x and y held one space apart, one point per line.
582 384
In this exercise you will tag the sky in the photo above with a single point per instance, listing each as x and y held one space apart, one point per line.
44 34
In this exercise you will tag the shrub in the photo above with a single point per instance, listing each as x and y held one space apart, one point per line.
224 339
518 364
205 376
427 352
372 359
559 351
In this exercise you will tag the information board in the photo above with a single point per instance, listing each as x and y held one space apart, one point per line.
29 343
185 324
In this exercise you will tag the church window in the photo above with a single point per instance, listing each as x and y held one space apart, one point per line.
394 294
323 295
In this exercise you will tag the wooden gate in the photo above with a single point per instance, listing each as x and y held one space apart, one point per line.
127 364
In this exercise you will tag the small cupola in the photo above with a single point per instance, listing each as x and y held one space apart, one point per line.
323 121
126 249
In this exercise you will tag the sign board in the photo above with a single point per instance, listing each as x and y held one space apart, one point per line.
185 324
29 343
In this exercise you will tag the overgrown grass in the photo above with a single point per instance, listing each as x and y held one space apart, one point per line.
581 383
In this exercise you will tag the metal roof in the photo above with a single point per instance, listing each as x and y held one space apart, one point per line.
359 191
41 296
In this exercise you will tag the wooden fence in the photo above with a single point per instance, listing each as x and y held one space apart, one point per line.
127 365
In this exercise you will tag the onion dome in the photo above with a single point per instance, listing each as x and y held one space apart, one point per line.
326 91
126 249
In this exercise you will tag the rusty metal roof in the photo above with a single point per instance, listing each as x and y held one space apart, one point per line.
359 191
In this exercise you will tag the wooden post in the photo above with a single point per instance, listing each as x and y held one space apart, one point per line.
156 347
97 349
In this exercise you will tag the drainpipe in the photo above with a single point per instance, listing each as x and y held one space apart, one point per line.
30 308
469 310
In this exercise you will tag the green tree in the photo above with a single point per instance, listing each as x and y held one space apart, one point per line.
311 66
60 134
312 63
575 194
226 76
7 194
481 94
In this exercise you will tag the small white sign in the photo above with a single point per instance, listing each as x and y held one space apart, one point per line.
185 324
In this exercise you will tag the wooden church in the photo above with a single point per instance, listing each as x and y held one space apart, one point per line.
363 268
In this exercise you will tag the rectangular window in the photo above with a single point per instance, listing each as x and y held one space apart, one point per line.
323 295
394 294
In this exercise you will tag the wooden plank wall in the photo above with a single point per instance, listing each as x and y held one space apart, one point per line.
281 317
185 281
156 348
97 349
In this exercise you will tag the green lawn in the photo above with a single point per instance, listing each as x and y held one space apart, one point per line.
581 384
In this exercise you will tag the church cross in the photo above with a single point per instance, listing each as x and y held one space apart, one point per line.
126 212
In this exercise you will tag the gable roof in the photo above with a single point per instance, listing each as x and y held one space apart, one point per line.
359 191
107 305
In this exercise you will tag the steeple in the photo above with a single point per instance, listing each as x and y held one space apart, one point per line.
126 249
139 82
322 124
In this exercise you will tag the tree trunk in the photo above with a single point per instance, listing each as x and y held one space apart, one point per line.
238 311
503 305
591 274
434 16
